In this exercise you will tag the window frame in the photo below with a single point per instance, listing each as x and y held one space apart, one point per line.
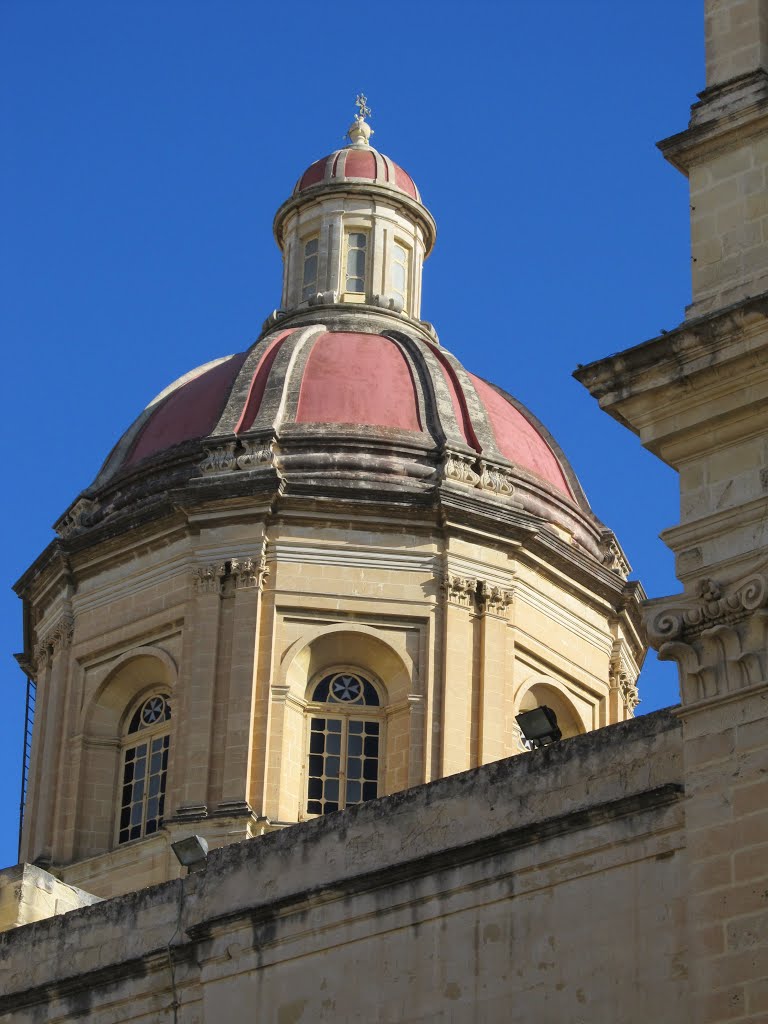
313 284
351 295
147 736
397 243
346 713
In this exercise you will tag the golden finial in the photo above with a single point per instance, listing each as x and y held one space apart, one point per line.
360 131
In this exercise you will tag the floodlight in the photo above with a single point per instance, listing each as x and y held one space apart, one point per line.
539 726
191 853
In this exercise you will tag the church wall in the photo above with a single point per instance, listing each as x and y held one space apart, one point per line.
467 898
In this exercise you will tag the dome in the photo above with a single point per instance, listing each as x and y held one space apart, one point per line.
349 405
358 165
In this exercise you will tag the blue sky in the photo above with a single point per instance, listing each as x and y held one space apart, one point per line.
148 145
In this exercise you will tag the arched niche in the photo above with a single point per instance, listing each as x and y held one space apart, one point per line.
547 691
132 676
346 644
356 647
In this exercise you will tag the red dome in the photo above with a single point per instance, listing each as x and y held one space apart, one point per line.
357 163
350 380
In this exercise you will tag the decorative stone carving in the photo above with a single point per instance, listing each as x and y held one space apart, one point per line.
459 468
627 688
719 638
464 469
207 579
495 599
77 518
219 459
58 638
255 455
247 572
493 478
459 589
613 557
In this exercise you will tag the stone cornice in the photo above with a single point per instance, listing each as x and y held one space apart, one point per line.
738 107
634 385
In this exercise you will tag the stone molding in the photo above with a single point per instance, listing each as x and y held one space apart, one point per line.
58 638
77 518
244 573
495 600
460 590
718 638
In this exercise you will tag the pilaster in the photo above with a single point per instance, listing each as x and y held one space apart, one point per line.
458 610
496 658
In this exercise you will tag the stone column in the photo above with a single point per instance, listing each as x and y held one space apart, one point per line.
458 609
249 575
720 642
192 753
495 672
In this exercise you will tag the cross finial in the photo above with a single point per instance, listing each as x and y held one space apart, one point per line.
360 131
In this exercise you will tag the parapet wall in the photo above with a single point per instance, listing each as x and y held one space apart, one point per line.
558 875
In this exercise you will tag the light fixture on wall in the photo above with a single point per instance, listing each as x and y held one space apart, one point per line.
191 853
539 726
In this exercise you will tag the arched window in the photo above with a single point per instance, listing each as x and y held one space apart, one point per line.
345 740
145 769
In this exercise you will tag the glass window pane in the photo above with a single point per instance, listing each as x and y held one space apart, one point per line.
371 746
399 253
355 727
316 765
354 792
318 724
316 742
372 728
354 743
357 240
314 807
331 789
315 789
311 247
354 284
370 791
356 263
331 807
334 725
332 766
333 743
310 269
398 278
371 770
354 767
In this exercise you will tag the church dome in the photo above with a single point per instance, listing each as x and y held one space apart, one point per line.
364 164
347 393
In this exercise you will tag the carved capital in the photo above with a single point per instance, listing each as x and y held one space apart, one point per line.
719 638
57 639
613 556
206 579
495 599
459 590
627 688
247 573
